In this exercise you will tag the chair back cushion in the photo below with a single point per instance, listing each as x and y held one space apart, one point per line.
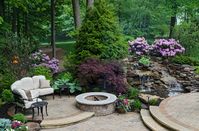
44 83
16 85
27 83
36 80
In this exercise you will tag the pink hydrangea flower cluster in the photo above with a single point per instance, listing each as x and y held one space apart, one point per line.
39 58
139 46
16 124
169 47
163 47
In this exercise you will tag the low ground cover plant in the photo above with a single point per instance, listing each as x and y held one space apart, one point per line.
66 79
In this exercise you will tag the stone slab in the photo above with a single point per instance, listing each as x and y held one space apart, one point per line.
150 122
66 121
161 118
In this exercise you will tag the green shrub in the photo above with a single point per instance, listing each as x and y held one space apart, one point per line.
72 86
182 59
137 105
100 35
65 75
70 63
7 79
41 70
14 52
20 117
144 60
7 96
153 102
133 93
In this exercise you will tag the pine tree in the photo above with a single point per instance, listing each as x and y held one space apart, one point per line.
100 35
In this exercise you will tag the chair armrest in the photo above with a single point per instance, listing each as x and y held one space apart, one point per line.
21 94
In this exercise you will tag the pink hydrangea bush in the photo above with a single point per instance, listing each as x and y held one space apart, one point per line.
41 59
167 48
139 46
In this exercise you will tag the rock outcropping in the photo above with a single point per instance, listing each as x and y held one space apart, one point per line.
161 77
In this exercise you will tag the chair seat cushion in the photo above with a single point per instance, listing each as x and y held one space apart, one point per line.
45 91
29 103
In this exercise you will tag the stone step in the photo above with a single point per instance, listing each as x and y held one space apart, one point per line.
162 119
66 121
150 122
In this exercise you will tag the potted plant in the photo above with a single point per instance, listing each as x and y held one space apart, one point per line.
123 105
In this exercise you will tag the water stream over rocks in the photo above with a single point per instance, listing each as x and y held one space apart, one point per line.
161 79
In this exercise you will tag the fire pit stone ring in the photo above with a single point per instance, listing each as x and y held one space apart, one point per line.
99 102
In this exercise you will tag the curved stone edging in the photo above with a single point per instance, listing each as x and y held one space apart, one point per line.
66 121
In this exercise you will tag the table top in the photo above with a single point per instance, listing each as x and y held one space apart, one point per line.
39 104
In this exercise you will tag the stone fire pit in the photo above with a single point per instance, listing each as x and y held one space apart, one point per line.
99 102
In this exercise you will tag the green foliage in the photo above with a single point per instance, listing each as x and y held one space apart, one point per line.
1 20
197 70
72 86
70 62
137 105
6 78
7 96
115 51
182 59
153 102
143 18
14 53
1 102
41 70
187 34
22 128
65 75
99 35
20 117
144 60
133 93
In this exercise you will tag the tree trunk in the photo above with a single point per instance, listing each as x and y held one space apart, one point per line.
89 3
173 18
2 8
76 13
172 25
53 28
14 20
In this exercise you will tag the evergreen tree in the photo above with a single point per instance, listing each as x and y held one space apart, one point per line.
100 35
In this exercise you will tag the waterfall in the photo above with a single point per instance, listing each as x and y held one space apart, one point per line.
175 89
144 79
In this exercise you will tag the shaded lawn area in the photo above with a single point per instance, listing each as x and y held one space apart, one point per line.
68 46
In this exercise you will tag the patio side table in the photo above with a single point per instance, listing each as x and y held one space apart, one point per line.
39 106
